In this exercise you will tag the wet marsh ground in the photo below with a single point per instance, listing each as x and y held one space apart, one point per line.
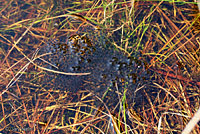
98 66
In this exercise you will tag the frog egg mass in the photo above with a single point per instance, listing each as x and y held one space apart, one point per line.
106 66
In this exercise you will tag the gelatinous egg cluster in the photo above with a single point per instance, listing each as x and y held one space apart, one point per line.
106 65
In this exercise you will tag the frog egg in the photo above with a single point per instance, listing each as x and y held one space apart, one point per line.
78 53
123 65
76 68
84 61
122 79
80 41
71 43
103 76
88 61
71 50
64 46
83 43
61 52
117 67
52 50
133 79
76 61
118 72
107 76
128 60
126 77
109 63
82 51
71 68
80 60
114 60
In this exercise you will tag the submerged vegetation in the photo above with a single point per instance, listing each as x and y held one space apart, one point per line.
99 66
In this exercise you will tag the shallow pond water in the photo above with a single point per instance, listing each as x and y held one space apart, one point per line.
164 33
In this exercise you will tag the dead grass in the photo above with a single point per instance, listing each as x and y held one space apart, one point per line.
165 33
